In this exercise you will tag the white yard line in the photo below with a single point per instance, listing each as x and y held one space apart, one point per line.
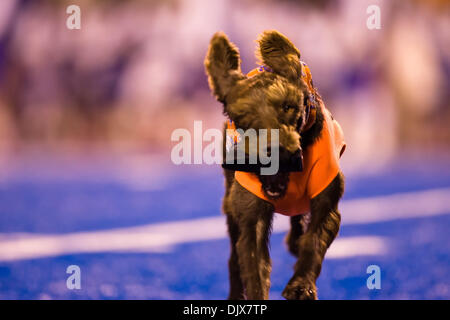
396 206
162 237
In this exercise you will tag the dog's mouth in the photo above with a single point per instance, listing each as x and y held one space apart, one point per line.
275 194
275 186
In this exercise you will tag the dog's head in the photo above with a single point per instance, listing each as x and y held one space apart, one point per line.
267 100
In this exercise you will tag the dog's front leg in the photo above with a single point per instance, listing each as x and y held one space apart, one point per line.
254 217
322 230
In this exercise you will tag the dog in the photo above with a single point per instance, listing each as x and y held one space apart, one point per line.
278 95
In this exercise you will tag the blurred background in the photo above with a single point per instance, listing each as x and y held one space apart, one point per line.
86 118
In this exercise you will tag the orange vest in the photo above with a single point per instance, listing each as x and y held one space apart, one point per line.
320 167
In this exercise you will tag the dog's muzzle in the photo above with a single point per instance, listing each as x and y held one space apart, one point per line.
287 162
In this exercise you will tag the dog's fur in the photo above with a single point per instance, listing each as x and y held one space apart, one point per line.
260 102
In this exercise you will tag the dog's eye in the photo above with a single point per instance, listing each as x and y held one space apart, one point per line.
287 107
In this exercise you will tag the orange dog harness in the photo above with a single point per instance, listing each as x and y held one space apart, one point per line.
320 164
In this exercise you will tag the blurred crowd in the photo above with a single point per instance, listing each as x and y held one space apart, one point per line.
134 71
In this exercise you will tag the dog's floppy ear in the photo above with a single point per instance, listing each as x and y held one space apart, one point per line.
222 65
280 54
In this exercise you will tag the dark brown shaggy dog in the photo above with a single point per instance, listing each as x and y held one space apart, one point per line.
247 102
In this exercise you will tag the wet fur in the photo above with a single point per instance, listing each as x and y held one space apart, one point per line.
250 103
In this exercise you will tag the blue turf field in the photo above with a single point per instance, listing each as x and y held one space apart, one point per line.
416 266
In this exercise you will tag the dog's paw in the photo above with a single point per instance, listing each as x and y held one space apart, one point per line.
300 289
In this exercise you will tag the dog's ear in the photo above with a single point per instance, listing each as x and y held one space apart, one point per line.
279 53
222 65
